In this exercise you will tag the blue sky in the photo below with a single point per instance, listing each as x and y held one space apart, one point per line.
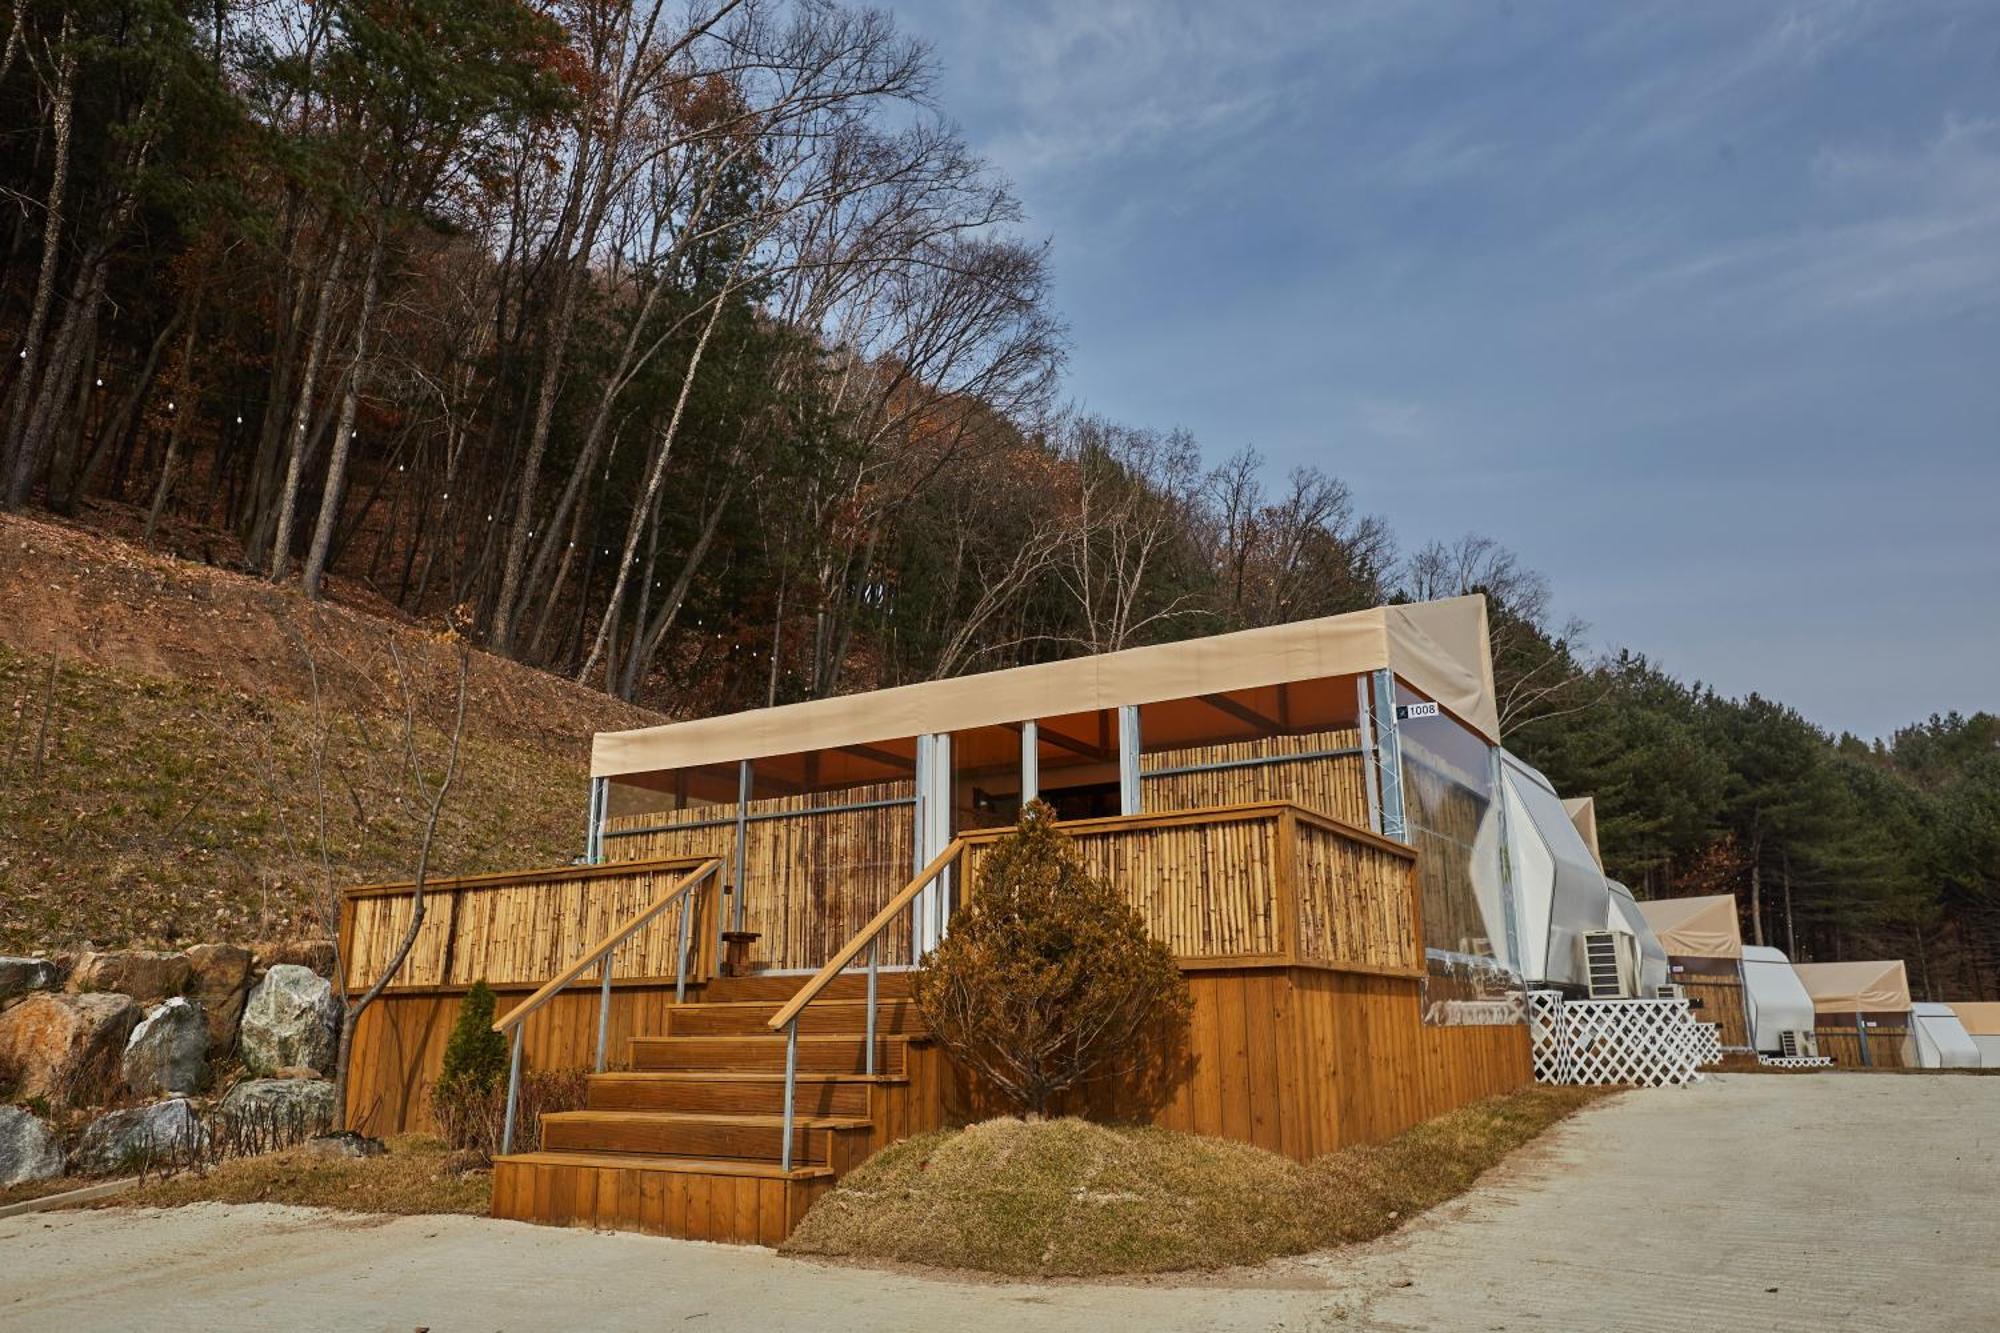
1694 305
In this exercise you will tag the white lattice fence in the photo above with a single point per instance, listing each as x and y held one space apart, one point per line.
1796 1061
1648 1043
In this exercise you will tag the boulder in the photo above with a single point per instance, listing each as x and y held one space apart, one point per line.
66 1048
292 1018
18 976
144 1137
281 1103
346 1143
168 1052
146 976
28 1148
221 984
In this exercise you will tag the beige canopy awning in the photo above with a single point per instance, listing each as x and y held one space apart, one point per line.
1696 927
1981 1018
1856 988
1582 812
1440 648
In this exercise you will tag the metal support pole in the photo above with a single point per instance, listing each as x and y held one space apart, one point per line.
1496 776
513 1091
1370 779
742 845
1389 757
593 834
681 949
604 1007
873 946
791 1085
1031 762
1130 800
1861 1031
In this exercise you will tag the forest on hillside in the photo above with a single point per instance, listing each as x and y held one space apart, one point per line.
688 351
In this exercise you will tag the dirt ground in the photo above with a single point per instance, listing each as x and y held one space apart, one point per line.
1789 1203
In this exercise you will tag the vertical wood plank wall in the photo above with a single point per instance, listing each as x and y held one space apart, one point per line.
1838 1039
1721 997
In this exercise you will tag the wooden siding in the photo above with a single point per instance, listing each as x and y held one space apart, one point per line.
812 879
733 1208
521 927
1335 786
1885 1043
1721 1001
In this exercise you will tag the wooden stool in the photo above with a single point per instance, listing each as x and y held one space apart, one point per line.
736 951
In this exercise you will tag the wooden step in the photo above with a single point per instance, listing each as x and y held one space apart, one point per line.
714 1092
660 1134
895 1016
849 985
819 1055
742 1202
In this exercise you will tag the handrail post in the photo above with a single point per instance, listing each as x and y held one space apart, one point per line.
604 1006
874 947
791 1083
513 1091
681 950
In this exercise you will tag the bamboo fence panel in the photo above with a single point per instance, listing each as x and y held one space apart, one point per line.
813 876
1207 890
515 929
1354 903
1336 786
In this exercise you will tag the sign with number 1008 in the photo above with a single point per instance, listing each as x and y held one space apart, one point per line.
1410 712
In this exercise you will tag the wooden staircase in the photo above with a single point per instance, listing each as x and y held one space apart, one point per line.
688 1141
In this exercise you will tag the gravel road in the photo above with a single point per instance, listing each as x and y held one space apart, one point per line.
1800 1202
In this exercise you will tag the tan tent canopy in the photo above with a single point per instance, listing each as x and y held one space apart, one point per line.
1439 648
1696 927
1856 988
1981 1019
1582 812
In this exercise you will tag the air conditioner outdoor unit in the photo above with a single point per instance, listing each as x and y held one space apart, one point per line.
1795 1045
1669 992
1609 969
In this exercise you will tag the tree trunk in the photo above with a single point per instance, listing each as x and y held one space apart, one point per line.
343 435
1757 890
295 433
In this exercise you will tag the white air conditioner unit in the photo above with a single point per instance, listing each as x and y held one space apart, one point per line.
1794 1044
1610 964
1670 992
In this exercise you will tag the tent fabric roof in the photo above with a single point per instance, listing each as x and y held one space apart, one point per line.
1696 927
1856 988
1981 1017
1560 890
1582 811
1440 648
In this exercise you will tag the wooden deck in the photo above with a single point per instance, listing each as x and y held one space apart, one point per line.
1299 936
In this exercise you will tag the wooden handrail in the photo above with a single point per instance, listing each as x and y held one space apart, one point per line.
604 946
852 949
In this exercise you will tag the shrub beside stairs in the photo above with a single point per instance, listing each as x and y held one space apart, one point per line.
689 1140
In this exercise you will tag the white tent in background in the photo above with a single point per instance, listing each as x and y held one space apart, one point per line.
1775 998
1938 1040
1627 919
1559 892
1981 1021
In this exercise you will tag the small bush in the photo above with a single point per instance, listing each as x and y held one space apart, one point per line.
475 1055
1049 980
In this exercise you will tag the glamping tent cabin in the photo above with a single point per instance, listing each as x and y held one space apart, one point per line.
1861 1011
1776 1001
1560 893
1704 947
1301 812
1938 1040
1981 1021
1628 920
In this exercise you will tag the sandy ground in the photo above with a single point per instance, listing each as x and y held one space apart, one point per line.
1752 1201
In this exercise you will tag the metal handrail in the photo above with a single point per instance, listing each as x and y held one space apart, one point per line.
601 953
869 936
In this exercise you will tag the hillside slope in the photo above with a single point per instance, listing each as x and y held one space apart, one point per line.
158 770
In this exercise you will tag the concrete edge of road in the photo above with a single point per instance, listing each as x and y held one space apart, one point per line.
103 1189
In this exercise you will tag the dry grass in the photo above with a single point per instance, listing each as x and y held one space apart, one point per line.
40 1189
1071 1198
418 1175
